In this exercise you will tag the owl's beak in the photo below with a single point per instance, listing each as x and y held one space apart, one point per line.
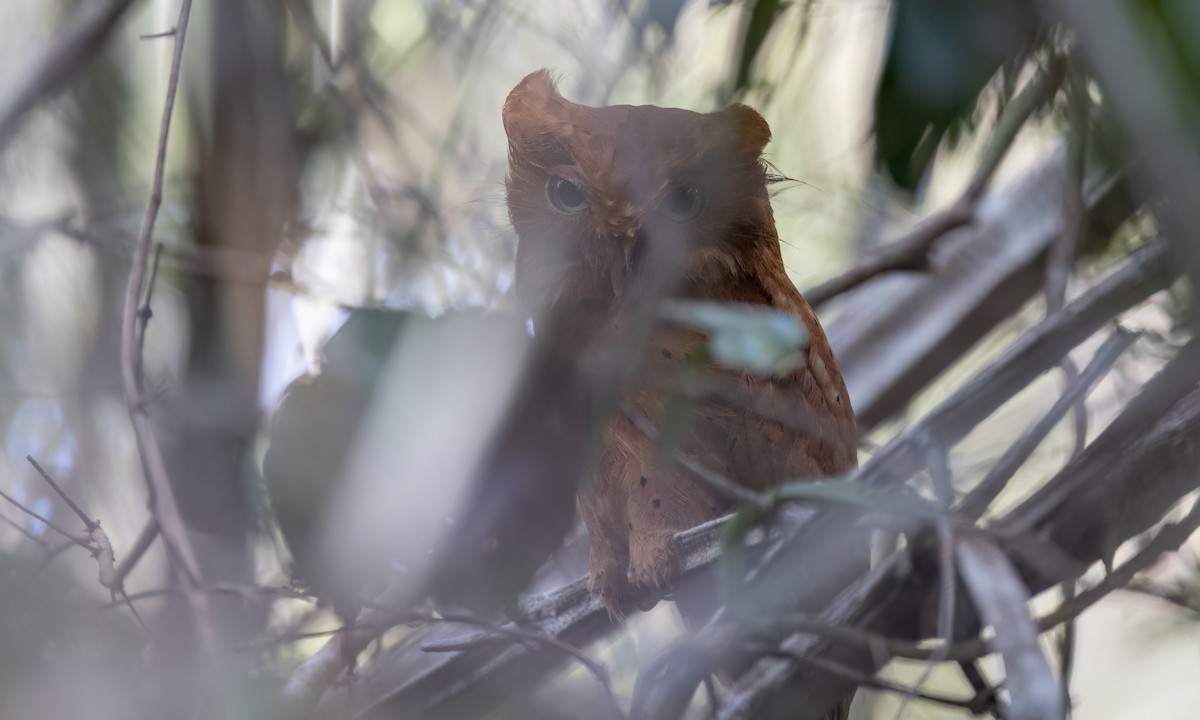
622 265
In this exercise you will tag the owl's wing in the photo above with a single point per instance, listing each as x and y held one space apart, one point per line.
765 430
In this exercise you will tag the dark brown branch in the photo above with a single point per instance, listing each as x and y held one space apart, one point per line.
911 252
1170 538
50 73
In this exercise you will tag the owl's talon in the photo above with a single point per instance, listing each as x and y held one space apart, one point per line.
608 588
646 604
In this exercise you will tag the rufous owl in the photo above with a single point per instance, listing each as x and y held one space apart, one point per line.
591 192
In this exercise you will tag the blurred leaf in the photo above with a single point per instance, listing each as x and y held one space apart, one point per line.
765 341
852 492
941 56
313 431
661 13
759 21
735 563
1178 22
1003 602
680 404
459 416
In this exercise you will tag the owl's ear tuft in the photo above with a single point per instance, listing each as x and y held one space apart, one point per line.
533 100
749 129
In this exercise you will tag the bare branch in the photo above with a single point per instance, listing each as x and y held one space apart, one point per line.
75 539
162 498
910 252
88 522
28 535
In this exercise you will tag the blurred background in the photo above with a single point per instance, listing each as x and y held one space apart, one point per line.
329 156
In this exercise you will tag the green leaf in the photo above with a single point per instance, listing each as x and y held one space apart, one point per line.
753 337
679 407
941 56
758 26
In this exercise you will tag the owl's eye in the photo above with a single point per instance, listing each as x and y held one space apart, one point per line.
683 203
566 196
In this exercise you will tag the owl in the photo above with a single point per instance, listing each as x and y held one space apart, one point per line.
618 206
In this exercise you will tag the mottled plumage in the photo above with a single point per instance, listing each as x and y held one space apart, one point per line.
591 193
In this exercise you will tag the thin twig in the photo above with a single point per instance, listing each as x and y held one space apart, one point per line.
81 542
162 497
157 35
30 536
875 683
1074 231
100 548
243 591
144 313
910 252
1066 649
88 522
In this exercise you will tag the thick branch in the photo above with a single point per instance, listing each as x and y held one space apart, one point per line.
910 252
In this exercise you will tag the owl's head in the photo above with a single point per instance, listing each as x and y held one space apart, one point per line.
592 190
